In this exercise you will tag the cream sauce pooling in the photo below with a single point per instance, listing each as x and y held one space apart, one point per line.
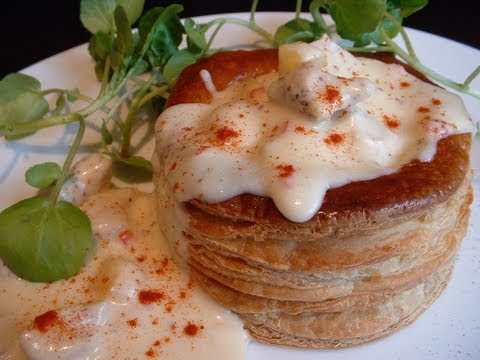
330 119
130 301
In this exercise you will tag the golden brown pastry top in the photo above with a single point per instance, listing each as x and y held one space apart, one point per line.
415 187
224 68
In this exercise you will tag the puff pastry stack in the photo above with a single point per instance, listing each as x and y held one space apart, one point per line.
372 259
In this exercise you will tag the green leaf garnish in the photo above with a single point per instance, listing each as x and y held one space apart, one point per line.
44 242
100 45
73 95
167 33
124 39
107 136
42 175
408 7
177 63
354 18
195 36
133 169
298 30
98 15
133 9
16 84
137 162
21 101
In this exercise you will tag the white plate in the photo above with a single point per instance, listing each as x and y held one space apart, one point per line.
450 329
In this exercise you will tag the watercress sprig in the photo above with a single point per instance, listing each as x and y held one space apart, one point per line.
43 238
388 27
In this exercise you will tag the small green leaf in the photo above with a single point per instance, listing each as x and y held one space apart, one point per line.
73 95
298 30
100 69
137 162
195 36
407 7
356 17
167 33
42 175
132 169
388 26
177 63
147 21
117 59
97 15
133 9
100 45
44 242
124 39
15 84
375 36
25 108
20 101
106 134
59 105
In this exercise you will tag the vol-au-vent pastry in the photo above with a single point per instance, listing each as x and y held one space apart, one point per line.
319 195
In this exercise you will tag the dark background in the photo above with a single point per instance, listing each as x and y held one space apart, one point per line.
33 30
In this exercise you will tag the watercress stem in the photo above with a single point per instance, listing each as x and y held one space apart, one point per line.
106 72
78 96
59 105
472 76
65 173
134 106
403 33
139 81
26 128
120 101
298 9
369 49
247 24
127 132
317 16
253 10
212 38
427 71
160 91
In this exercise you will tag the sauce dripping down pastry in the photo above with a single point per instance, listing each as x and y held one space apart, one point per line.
331 120
320 196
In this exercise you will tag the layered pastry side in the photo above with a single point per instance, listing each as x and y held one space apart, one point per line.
319 195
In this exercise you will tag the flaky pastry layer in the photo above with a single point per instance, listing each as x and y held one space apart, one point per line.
373 258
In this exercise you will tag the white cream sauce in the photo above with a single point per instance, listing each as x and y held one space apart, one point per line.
352 119
130 301
90 175
328 120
